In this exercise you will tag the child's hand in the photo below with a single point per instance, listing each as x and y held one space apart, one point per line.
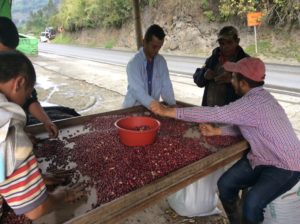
57 177
51 128
209 130
75 193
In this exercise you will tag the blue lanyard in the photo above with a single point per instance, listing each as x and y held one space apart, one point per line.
149 69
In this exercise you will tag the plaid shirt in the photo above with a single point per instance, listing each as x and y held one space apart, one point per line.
261 121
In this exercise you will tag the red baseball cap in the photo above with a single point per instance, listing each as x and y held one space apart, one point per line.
251 68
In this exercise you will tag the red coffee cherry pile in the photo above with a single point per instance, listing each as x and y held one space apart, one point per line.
222 141
9 217
114 169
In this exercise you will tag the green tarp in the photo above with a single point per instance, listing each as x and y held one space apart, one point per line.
5 8
27 44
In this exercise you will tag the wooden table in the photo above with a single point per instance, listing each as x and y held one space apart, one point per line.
124 206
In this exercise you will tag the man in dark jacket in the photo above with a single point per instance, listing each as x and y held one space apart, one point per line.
218 89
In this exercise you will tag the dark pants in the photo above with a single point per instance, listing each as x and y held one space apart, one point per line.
266 182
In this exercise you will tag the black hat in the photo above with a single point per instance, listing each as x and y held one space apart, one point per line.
228 33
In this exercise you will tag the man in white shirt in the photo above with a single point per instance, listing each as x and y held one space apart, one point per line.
148 74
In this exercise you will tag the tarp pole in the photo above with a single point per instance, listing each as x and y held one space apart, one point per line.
255 38
138 27
5 8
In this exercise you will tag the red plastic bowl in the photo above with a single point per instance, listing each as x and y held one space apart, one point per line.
137 131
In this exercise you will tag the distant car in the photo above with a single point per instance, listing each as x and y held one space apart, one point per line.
44 37
51 32
28 44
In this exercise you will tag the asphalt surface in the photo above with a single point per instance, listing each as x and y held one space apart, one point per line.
279 76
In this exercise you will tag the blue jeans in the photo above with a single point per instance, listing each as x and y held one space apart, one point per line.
266 182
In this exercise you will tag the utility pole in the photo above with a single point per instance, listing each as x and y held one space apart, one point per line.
254 19
137 20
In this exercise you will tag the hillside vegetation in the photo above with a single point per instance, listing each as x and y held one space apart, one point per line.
191 25
22 10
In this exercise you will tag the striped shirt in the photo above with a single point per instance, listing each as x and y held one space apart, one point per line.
137 90
24 189
261 121
1 206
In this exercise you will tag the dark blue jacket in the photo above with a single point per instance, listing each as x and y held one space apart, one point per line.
211 63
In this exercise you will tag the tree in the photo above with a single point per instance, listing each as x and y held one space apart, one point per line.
277 13
41 19
79 14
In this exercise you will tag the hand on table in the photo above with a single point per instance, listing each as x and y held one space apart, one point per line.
75 193
57 177
51 128
209 130
162 110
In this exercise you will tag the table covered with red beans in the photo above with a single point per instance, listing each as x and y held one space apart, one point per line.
120 179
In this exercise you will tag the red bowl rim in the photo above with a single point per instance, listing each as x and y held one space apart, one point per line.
134 131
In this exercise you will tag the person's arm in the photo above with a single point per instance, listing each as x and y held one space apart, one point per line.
60 198
240 112
210 130
136 83
167 92
38 112
204 74
33 106
223 78
198 77
162 110
32 198
231 130
47 206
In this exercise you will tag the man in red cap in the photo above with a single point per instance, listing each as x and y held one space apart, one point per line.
272 165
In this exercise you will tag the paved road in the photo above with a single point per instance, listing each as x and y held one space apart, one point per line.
92 87
278 76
